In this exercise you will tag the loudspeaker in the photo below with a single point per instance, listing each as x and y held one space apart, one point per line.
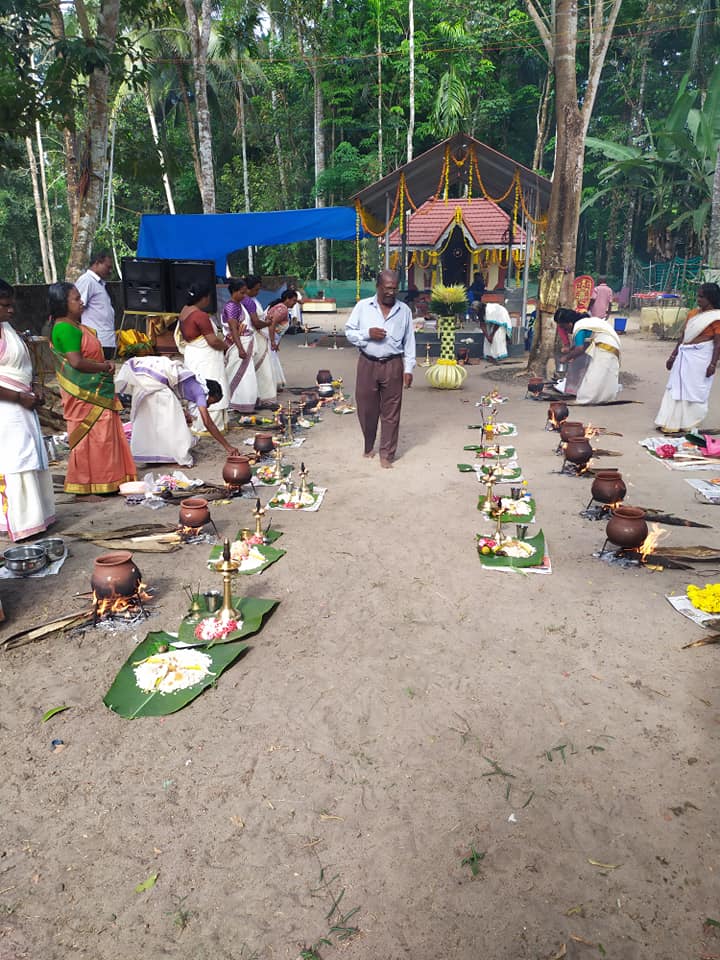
145 284
185 274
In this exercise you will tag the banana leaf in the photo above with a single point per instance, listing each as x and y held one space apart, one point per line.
510 517
513 473
271 554
252 612
536 560
465 468
125 697
287 469
506 453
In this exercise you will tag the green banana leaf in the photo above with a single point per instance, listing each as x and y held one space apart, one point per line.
507 454
287 469
271 554
513 474
465 468
493 560
252 612
125 697
511 517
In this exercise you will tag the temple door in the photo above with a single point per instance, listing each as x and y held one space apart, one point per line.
456 260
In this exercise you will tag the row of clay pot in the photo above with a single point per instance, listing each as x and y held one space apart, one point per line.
627 526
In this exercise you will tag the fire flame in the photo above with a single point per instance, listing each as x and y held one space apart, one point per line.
655 535
591 431
186 531
118 606
554 423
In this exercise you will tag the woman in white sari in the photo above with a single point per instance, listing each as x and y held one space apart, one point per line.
203 352
266 385
601 381
160 432
27 502
692 366
495 324
240 342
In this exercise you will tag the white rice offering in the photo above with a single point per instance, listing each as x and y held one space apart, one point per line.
171 671
519 508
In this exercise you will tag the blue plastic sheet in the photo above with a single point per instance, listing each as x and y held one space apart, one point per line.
213 236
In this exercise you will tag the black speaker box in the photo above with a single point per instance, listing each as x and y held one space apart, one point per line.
185 274
145 284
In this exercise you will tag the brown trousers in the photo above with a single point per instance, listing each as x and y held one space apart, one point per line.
378 396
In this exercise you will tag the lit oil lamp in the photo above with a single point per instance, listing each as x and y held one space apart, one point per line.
259 513
227 567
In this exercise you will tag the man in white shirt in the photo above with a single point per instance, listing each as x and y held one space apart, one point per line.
381 327
98 312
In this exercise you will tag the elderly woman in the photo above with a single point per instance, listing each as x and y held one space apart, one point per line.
692 365
27 502
100 459
203 351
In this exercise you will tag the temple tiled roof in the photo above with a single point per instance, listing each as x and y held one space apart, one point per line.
484 224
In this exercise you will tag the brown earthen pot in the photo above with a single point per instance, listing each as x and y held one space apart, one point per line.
535 385
263 442
558 411
608 487
115 574
571 428
323 376
237 471
578 451
627 527
194 512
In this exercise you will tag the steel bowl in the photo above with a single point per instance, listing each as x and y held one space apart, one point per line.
54 547
25 560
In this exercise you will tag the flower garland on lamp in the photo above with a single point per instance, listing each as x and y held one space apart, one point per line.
448 303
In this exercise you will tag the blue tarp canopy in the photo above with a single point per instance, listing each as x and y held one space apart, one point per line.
214 236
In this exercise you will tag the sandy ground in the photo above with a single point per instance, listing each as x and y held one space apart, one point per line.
394 715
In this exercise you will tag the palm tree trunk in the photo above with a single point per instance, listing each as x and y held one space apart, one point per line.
411 79
542 122
319 138
714 238
199 38
57 27
96 135
240 129
46 203
161 155
38 209
282 173
190 123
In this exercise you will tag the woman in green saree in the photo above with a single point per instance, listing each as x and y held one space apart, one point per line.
100 458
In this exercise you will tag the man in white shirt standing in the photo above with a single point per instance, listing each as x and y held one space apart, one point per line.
381 327
98 312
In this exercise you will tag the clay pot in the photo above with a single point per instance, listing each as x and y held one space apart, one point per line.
263 442
578 451
627 527
323 376
608 487
571 428
282 418
194 512
115 574
309 402
535 385
558 411
237 471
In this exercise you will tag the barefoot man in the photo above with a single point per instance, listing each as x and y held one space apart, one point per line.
381 328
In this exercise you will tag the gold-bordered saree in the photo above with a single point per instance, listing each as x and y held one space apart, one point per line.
100 458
